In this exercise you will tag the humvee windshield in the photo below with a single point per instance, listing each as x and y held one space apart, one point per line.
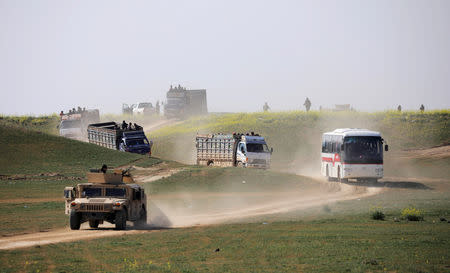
92 192
116 192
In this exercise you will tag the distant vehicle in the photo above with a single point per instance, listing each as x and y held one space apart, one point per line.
106 197
342 107
111 135
143 108
73 125
140 108
352 154
239 150
182 103
126 109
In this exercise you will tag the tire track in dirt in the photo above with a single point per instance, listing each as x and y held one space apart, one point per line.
62 235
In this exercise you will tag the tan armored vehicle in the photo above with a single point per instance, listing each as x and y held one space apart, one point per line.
110 197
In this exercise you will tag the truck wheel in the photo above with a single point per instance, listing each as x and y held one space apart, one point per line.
94 223
240 165
75 220
142 221
121 220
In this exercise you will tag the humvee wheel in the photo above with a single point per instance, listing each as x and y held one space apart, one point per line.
75 220
142 221
121 220
94 223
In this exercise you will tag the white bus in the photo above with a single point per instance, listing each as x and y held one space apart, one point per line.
352 154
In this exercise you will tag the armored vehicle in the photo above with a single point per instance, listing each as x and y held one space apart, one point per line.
111 197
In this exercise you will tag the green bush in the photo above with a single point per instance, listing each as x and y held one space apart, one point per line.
412 214
378 215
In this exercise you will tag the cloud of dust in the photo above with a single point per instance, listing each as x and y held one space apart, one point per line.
244 202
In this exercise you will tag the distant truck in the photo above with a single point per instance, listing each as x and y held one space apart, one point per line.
182 103
73 124
249 150
106 197
111 135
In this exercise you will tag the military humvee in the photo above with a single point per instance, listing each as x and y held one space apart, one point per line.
111 197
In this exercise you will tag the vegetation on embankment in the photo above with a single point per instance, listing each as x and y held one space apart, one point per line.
44 124
296 136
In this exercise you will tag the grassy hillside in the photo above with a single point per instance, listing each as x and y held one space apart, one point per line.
29 152
34 169
296 136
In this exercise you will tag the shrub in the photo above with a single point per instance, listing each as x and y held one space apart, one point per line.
412 214
378 215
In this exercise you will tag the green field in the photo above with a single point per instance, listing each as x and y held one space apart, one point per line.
330 237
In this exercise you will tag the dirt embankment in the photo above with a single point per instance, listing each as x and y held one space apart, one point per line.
439 152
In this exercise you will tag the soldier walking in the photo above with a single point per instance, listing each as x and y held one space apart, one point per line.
422 108
307 104
266 107
399 108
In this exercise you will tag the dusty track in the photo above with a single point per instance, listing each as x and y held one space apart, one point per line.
217 208
60 236
190 211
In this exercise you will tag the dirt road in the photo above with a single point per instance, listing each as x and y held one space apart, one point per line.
62 235
192 209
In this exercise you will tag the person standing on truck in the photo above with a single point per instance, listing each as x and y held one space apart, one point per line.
137 127
61 114
130 126
307 104
124 125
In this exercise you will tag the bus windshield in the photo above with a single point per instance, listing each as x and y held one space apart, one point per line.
363 150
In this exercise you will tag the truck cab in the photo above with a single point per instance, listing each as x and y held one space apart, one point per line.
135 142
71 128
252 151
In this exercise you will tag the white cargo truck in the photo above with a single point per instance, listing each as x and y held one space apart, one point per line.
240 150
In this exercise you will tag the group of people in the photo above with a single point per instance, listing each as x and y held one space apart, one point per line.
307 105
130 126
422 108
79 110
